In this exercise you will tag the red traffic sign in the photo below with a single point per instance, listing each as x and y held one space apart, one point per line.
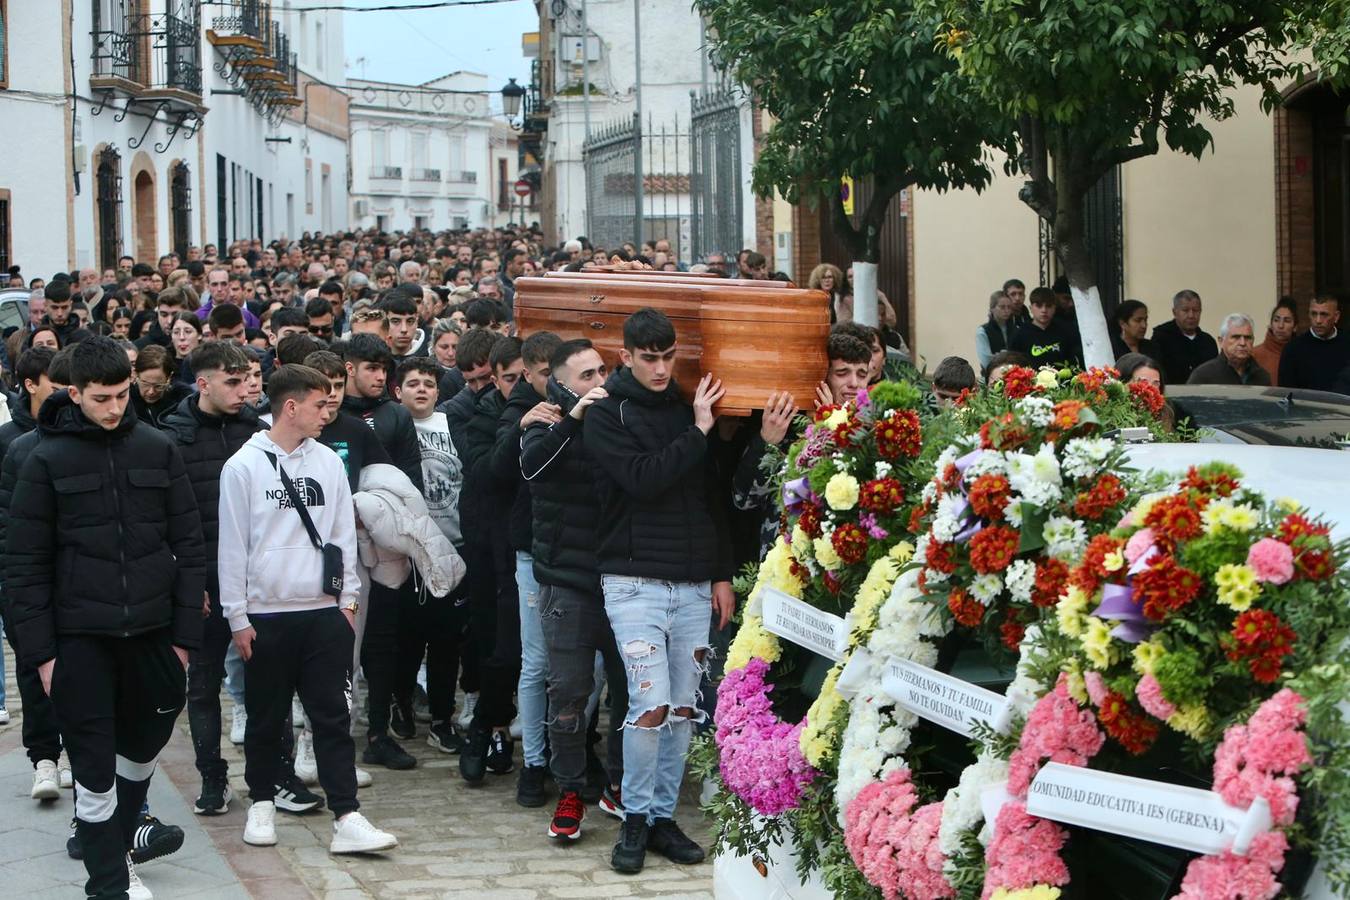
523 188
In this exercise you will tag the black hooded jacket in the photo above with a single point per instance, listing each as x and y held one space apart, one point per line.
506 461
656 482
103 535
561 480
20 422
153 414
205 442
394 428
483 498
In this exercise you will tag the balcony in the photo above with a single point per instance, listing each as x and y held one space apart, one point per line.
463 183
426 175
257 57
386 179
155 58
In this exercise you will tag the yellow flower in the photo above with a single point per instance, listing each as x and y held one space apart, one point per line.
1146 656
1039 892
817 737
1241 518
1096 641
801 545
1237 585
1070 610
836 418
1075 682
1192 721
1047 378
1287 505
1114 561
874 590
1141 509
752 642
825 554
841 491
776 571
1213 515
902 552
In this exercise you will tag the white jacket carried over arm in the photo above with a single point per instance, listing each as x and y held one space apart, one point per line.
394 514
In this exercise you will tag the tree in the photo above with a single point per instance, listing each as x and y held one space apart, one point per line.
1093 84
855 88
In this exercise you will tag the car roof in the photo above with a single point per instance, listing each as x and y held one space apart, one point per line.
1282 417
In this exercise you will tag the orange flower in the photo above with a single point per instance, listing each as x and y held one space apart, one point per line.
964 608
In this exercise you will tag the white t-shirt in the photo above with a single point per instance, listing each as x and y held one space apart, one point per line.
442 474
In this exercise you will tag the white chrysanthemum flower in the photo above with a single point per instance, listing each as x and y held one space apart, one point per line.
1021 578
947 457
990 462
1038 411
961 810
1065 538
986 588
1012 512
883 468
1083 457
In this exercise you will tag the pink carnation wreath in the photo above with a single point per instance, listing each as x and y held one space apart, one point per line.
895 845
761 756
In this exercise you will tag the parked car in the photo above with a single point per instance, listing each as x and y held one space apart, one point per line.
13 308
1275 416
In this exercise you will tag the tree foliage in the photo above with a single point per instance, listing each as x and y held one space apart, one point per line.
855 88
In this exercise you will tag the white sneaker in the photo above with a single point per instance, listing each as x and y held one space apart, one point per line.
136 890
261 830
297 713
306 769
46 781
363 779
63 775
4 716
466 714
238 724
353 834
515 729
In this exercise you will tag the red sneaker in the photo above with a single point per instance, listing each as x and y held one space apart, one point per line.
567 817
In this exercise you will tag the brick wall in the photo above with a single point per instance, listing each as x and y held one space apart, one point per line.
763 206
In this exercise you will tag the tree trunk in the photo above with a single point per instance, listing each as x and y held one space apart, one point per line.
864 247
1071 244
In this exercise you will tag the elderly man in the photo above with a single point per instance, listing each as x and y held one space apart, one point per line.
1181 344
410 272
1234 364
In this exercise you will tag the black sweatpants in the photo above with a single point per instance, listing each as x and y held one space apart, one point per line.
380 646
435 626
308 653
116 700
494 609
41 734
206 672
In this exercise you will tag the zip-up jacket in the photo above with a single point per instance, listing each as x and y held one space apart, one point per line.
506 461
20 422
394 427
656 483
104 536
153 414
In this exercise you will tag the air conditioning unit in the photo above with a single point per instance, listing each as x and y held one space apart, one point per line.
362 207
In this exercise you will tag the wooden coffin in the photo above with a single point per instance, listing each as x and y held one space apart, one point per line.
653 275
757 337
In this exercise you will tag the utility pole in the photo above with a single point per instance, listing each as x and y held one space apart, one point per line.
637 125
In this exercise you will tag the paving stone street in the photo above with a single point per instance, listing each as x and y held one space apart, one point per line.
455 841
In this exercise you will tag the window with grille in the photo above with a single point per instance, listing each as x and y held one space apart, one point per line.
4 46
309 186
108 200
180 209
6 251
222 198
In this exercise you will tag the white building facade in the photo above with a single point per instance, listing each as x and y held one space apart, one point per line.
428 156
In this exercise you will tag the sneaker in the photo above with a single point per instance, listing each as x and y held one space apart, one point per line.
293 797
136 889
261 828
666 838
466 714
46 781
73 848
445 737
363 779
63 774
421 705
611 802
215 797
401 721
473 758
306 768
353 834
501 749
385 751
297 713
630 852
515 729
4 716
567 817
238 724
154 839
530 786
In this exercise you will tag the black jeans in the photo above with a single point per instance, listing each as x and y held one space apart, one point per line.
494 608
206 672
41 734
308 653
380 648
116 699
576 627
435 626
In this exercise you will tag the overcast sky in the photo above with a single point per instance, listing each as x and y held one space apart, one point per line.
415 46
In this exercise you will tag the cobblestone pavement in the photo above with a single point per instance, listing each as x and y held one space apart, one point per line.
455 841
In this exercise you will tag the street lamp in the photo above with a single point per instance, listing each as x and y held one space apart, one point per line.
512 94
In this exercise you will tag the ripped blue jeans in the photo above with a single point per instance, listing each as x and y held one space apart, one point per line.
661 628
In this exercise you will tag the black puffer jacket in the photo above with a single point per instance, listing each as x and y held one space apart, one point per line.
506 461
15 454
483 497
559 473
205 442
394 427
153 414
655 480
104 536
20 422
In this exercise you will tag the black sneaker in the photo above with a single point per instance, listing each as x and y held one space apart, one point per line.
293 797
473 759
530 787
215 797
385 751
666 838
631 850
154 839
73 848
501 750
445 737
401 721
611 802
596 778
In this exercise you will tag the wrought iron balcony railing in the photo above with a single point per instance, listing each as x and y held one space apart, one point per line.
426 174
160 52
395 172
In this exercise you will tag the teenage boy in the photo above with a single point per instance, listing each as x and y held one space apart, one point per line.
527 404
1043 338
571 607
104 573
400 308
433 625
663 555
167 307
285 514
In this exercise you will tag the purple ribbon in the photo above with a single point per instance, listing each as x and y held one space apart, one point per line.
796 494
1119 605
966 461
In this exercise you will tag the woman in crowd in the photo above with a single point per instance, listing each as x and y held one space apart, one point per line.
993 336
1131 326
185 336
1278 334
827 277
154 393
444 341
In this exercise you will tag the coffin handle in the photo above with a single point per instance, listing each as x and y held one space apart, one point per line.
597 325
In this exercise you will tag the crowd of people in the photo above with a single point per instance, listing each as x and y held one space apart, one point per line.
329 478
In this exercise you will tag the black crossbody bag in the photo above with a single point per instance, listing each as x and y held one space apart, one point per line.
332 553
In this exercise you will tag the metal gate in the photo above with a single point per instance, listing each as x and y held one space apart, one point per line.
715 180
638 186
180 209
611 159
1104 233
108 199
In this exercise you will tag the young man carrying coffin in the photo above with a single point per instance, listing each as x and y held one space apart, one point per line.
665 565
288 589
104 572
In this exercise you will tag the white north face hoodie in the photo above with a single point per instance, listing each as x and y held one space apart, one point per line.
267 562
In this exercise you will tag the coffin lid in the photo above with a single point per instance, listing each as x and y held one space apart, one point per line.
701 299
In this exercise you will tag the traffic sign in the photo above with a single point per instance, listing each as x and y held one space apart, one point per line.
523 188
